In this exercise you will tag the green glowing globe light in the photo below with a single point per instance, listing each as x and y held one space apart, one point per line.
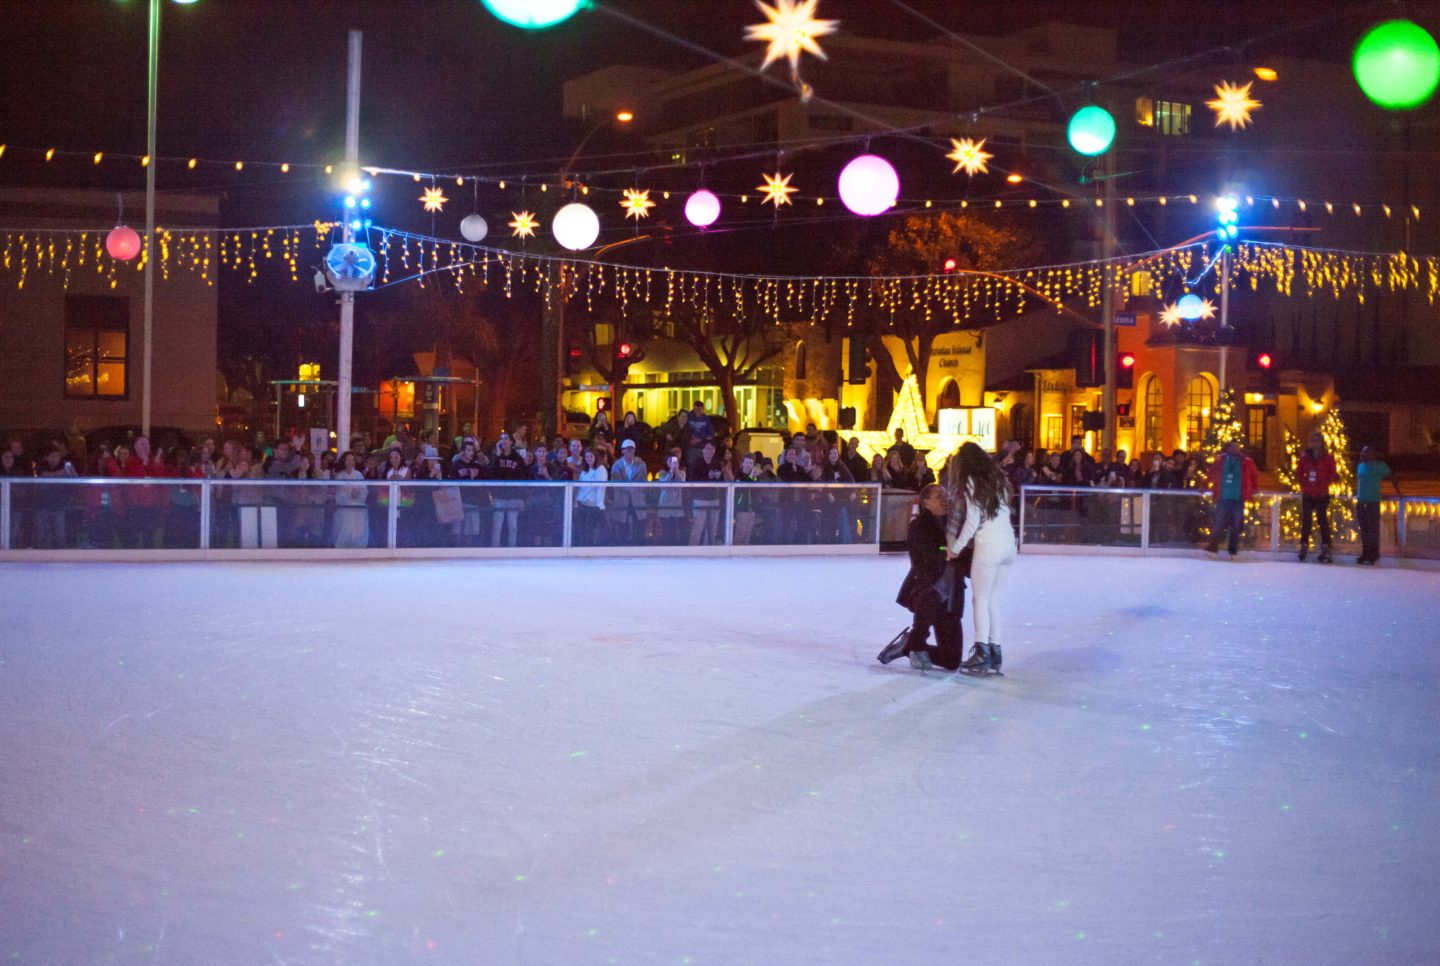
1397 65
1091 131
534 14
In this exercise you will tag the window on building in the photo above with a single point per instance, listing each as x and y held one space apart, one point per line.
1172 118
1145 111
97 336
800 360
1255 433
1054 432
1154 411
1199 403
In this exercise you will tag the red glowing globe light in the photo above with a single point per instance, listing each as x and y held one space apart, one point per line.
122 243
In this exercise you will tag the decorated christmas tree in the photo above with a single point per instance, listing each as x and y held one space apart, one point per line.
1342 509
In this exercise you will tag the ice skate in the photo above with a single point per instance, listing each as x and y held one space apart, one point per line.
975 663
1305 552
1324 555
894 649
920 660
992 659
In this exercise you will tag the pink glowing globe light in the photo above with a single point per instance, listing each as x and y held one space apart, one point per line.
122 243
702 208
869 185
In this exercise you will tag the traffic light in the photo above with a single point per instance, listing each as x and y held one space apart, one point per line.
1264 360
949 265
1125 371
1229 217
572 360
624 350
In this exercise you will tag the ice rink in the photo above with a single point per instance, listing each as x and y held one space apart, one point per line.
691 761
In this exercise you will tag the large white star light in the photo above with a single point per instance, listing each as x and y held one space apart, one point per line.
1232 105
790 30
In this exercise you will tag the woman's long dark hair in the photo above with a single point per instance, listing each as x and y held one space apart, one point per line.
988 485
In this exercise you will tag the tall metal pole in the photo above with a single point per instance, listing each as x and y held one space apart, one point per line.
1107 245
347 299
1224 308
148 330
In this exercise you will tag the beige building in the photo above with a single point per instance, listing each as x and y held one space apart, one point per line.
71 330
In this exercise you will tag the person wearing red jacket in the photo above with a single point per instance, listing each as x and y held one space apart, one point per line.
1315 470
143 503
1233 480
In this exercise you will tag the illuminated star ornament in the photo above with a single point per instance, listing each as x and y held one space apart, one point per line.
790 30
524 224
969 156
1232 105
777 189
434 199
1170 315
1207 309
637 203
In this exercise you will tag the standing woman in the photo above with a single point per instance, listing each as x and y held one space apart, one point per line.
986 492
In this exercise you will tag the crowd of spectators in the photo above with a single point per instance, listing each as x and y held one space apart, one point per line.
691 448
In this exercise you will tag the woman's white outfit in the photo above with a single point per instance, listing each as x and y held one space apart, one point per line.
994 553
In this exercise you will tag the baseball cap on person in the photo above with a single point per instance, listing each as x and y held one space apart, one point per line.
627 444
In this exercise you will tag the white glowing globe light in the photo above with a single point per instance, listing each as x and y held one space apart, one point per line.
1190 307
473 227
702 208
869 185
576 226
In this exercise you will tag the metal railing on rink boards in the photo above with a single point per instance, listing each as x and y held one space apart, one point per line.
180 519
1060 519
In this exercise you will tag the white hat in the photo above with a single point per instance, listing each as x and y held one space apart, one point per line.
627 444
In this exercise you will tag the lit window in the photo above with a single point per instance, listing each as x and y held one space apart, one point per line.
1172 118
97 334
1144 112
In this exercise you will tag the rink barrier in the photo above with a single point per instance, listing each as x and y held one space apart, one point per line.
1121 521
121 519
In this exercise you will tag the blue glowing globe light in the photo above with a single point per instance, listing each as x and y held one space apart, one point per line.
534 14
1190 307
1091 131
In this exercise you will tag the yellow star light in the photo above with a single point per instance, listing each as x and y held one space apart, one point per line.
969 157
791 30
524 224
1232 104
1171 315
434 199
1207 309
776 189
637 203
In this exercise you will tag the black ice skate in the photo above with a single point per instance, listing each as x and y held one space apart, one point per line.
920 660
992 658
1324 555
895 648
1305 552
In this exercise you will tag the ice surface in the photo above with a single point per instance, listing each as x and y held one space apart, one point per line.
699 761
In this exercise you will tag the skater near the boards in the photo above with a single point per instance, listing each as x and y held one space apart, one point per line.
1315 469
986 492
932 590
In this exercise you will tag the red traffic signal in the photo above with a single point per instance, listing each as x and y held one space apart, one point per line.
1264 360
623 350
1127 360
949 265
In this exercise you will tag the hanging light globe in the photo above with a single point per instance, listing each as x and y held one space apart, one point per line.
869 185
122 243
1091 131
533 14
1397 65
473 228
702 209
576 226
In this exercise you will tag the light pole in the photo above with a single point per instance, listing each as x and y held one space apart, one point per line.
552 327
148 315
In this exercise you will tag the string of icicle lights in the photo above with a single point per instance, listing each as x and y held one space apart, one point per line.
963 296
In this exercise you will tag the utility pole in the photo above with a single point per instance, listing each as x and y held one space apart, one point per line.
1107 304
347 299
552 351
1224 308
148 316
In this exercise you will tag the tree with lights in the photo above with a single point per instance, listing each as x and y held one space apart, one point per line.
927 244
1342 516
1225 426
